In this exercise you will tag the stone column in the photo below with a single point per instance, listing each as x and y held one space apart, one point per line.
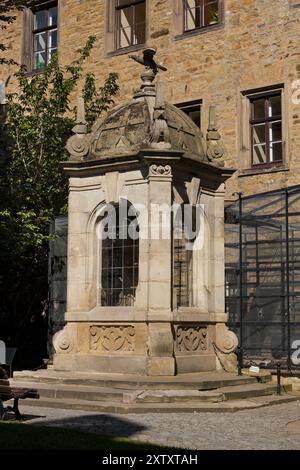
160 339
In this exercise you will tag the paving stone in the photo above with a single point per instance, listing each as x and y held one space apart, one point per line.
263 428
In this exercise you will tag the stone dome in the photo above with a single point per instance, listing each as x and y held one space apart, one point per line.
132 126
145 122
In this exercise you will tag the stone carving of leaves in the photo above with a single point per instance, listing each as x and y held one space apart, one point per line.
191 338
112 338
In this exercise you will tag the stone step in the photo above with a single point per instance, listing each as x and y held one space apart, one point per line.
94 406
251 390
73 392
201 381
172 396
104 394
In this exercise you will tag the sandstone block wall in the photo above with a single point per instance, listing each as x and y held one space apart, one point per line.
257 45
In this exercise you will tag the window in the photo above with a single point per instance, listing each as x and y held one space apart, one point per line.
266 129
182 273
44 36
40 35
184 235
120 253
200 13
130 21
193 110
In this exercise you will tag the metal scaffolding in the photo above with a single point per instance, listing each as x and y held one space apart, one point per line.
262 255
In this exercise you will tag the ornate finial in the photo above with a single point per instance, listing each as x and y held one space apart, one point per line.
160 131
149 73
77 145
215 148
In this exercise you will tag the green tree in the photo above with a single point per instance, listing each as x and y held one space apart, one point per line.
32 187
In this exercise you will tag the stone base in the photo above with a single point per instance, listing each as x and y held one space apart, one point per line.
226 362
193 363
100 364
161 366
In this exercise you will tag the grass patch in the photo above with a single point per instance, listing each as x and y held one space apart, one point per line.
16 436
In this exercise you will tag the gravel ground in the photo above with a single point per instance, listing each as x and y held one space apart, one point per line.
264 428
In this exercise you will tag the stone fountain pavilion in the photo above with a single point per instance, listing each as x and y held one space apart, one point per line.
147 305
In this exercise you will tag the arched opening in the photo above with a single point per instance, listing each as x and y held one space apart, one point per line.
120 255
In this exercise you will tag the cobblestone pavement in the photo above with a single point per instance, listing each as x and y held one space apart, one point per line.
264 428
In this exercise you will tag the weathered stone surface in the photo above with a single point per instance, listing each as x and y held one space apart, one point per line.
161 366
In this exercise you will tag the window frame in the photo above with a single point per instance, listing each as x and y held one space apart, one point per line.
202 26
117 20
112 266
27 48
266 120
43 6
245 153
193 105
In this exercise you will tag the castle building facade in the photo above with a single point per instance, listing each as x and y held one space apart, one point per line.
242 56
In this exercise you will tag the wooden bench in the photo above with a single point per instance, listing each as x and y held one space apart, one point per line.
13 393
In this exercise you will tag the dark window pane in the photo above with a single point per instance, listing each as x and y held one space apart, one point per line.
52 39
193 111
258 109
195 117
52 19
40 19
275 131
211 13
121 3
140 13
275 106
118 257
140 34
276 152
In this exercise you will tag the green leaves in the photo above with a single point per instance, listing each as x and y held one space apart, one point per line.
97 101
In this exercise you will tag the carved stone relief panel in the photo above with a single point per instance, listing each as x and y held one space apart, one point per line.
191 338
112 339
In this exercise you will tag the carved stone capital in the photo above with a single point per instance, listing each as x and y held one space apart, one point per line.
160 170
226 340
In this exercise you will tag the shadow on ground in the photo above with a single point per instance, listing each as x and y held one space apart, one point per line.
97 423
88 432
